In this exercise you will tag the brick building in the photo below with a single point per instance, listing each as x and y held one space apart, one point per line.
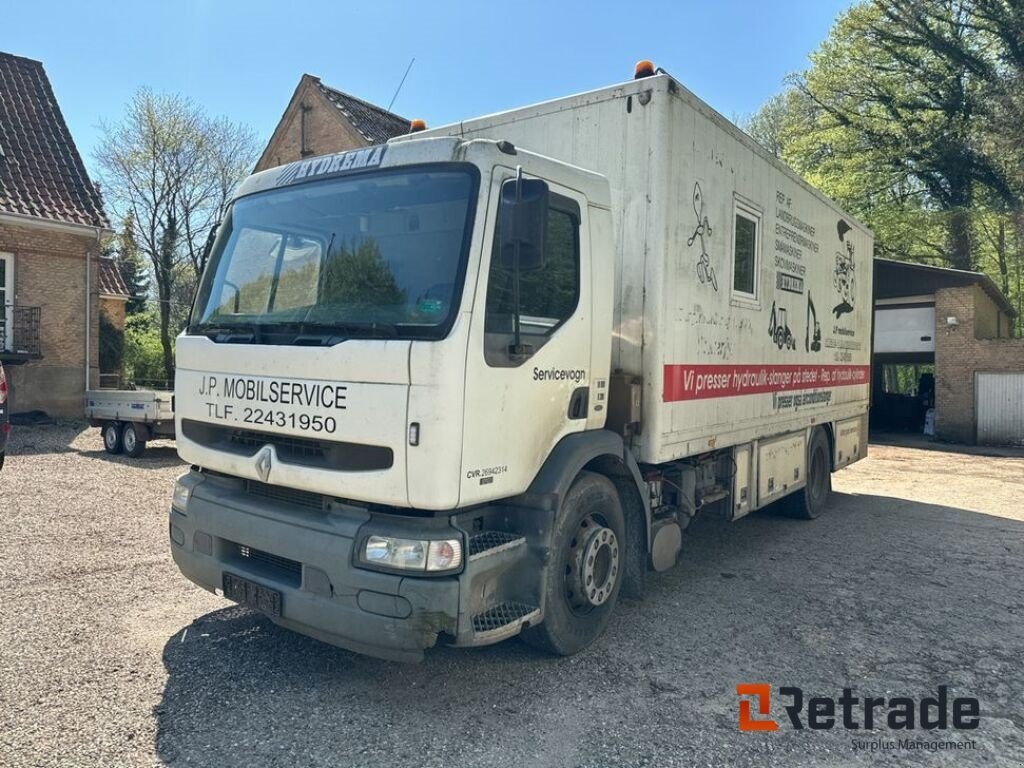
51 224
320 120
957 328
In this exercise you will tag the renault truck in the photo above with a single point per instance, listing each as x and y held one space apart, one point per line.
475 382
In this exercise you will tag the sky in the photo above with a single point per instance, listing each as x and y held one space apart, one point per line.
244 59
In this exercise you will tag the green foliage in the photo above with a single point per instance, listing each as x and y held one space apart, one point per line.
911 116
143 351
357 276
111 345
132 266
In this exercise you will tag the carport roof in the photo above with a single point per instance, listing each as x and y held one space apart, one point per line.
896 279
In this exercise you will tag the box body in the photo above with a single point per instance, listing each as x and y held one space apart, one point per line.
723 360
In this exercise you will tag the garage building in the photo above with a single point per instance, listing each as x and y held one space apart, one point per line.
943 339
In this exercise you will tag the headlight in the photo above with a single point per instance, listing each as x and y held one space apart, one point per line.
413 554
179 499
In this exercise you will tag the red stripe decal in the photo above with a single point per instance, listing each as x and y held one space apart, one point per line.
699 382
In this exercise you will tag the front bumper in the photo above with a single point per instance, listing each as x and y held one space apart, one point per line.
307 555
326 597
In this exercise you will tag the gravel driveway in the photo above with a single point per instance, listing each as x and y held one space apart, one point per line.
109 657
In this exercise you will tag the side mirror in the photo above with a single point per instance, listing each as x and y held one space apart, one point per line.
523 223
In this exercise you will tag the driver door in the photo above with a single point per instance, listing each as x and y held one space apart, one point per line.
519 405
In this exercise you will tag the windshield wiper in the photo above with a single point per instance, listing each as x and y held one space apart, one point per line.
233 333
334 333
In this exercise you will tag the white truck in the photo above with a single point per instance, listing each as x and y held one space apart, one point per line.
129 418
477 381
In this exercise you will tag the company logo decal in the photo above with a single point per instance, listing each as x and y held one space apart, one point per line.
263 462
370 157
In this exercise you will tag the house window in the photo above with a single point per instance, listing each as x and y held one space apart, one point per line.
547 296
746 249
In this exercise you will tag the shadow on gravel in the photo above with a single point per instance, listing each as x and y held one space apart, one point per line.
154 457
53 437
880 592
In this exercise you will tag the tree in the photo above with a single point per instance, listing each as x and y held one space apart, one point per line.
133 269
170 168
911 115
768 126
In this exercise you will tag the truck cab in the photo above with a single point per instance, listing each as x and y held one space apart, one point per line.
387 348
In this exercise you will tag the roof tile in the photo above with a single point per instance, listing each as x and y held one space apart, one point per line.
375 124
112 280
41 172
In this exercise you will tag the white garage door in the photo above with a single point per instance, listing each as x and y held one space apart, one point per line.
1000 407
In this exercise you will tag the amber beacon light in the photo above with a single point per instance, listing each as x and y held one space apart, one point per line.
417 125
643 68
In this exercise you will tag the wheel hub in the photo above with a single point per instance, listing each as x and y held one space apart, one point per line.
595 566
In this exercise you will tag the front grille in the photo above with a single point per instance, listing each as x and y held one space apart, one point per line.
320 454
274 565
305 499
295 448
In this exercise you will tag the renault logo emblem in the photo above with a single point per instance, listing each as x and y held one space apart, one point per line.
263 462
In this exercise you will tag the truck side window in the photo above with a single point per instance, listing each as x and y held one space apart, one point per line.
547 296
746 246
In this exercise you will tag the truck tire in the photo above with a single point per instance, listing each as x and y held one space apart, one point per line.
585 569
112 442
133 441
811 500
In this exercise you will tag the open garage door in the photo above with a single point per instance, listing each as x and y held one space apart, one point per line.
999 405
904 330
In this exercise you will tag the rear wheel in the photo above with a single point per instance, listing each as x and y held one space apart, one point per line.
1 459
134 443
586 567
812 499
112 438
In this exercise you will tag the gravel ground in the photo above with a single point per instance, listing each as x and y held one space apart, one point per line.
109 657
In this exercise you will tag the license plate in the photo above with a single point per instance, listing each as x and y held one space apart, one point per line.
248 593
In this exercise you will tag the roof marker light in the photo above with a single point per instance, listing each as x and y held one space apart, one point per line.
416 125
643 68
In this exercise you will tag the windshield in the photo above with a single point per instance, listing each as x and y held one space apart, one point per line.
376 253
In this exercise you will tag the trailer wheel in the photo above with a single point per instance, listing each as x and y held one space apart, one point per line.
585 570
134 443
811 500
112 442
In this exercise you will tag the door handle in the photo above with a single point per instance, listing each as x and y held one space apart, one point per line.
579 402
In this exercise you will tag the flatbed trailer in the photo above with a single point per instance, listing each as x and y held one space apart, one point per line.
129 418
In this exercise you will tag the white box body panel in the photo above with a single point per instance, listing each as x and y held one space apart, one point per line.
780 467
713 371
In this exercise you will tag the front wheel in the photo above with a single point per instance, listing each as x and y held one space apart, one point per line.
134 442
585 570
